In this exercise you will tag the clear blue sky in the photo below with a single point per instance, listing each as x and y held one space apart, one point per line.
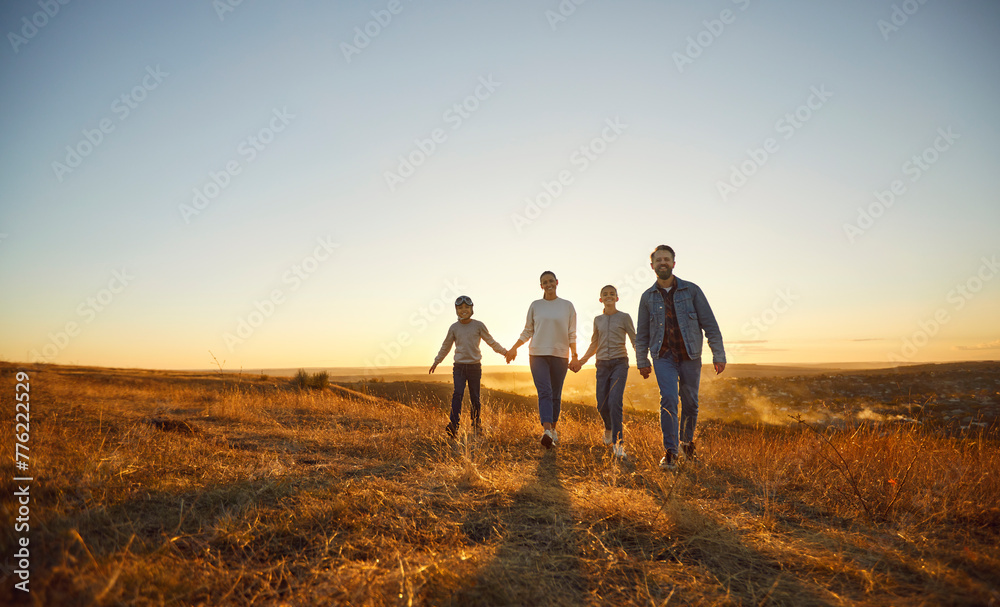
322 250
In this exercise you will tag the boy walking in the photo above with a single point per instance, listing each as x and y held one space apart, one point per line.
467 369
608 342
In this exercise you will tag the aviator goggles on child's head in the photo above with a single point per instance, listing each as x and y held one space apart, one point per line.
463 299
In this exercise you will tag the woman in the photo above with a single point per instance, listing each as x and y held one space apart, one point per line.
551 327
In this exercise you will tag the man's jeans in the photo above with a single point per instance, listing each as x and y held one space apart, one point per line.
549 372
471 373
668 374
611 376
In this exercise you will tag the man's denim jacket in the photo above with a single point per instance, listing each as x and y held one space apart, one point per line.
694 315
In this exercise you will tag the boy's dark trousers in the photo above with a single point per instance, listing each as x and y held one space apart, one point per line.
611 377
471 373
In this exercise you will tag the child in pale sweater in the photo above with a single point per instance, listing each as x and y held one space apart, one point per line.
467 369
610 331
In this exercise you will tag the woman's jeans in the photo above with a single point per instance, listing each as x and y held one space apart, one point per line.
611 376
549 372
471 373
668 373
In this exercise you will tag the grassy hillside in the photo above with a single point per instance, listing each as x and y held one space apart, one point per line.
182 489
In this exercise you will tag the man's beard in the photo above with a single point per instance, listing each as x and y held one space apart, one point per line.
664 273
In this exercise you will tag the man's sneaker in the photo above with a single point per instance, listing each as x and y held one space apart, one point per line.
688 449
547 439
668 462
451 430
607 437
619 451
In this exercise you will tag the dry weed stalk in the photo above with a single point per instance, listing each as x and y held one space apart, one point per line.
843 467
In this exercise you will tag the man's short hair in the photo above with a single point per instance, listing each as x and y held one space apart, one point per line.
662 247
547 272
611 286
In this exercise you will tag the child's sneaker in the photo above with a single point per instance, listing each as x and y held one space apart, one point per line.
607 437
555 437
669 462
688 449
451 430
547 439
619 451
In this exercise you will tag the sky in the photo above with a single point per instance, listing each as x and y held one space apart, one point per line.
312 184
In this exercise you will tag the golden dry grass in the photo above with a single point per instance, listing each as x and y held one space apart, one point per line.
156 488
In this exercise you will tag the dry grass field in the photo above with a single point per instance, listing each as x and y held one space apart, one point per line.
163 488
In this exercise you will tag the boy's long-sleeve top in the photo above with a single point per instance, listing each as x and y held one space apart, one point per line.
551 327
609 335
466 339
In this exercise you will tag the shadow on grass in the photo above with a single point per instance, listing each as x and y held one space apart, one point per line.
866 555
719 553
538 560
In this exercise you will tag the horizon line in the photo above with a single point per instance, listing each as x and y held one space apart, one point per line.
405 368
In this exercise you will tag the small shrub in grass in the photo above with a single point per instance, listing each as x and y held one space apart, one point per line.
319 381
301 380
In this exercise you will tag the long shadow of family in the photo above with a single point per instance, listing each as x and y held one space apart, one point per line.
674 320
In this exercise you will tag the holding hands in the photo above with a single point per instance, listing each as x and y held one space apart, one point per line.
576 364
512 353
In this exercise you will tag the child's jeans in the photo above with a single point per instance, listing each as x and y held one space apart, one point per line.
548 372
611 376
668 373
471 373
